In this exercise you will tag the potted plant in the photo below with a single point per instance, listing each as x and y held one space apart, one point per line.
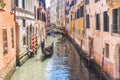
2 4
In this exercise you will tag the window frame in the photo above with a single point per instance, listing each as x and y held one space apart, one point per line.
87 20
98 21
24 40
105 22
107 52
12 37
5 41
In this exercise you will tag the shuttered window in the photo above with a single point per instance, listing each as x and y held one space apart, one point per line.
106 21
86 1
115 20
38 14
77 13
23 4
97 21
24 23
87 21
81 11
17 4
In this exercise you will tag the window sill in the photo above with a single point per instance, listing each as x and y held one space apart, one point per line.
2 9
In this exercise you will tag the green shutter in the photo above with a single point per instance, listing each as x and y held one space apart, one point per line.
17 3
23 4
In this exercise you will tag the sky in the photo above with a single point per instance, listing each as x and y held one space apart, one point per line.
47 3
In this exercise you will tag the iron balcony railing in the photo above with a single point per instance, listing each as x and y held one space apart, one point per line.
116 28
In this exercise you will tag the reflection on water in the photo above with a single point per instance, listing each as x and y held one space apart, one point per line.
57 69
65 64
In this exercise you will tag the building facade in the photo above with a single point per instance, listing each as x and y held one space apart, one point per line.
48 16
94 25
25 28
61 13
40 20
7 39
114 32
53 11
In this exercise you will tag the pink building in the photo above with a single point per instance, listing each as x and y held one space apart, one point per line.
103 35
7 39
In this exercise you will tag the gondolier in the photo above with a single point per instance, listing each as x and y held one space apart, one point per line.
48 51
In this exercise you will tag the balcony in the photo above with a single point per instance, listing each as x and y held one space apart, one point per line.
115 30
113 3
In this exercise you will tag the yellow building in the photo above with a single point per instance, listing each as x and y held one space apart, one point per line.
80 21
76 23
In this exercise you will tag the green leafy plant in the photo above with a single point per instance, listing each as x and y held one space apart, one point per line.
2 4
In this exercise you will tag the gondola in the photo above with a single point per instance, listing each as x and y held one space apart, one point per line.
48 51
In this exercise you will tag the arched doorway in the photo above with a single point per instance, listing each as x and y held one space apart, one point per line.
117 61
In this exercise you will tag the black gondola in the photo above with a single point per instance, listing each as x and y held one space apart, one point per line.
48 51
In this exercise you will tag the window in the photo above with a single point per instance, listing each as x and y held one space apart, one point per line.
67 20
17 3
24 23
12 5
87 21
107 50
97 21
5 44
96 0
115 20
12 37
71 17
81 11
38 14
35 11
23 4
77 13
42 16
86 1
24 40
106 21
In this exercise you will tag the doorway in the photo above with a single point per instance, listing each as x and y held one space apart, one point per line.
117 61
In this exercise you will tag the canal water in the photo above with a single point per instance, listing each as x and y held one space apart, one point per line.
65 64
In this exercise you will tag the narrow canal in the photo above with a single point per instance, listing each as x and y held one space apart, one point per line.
65 64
